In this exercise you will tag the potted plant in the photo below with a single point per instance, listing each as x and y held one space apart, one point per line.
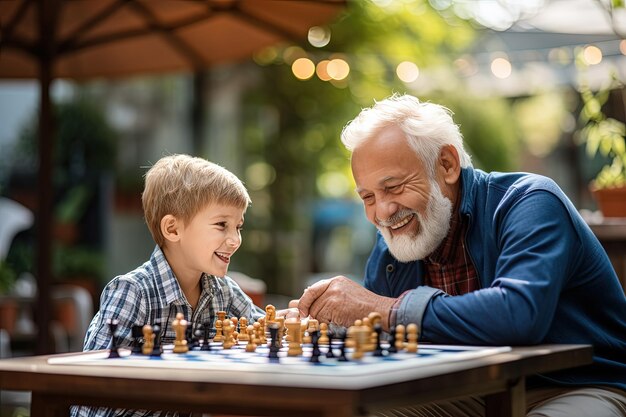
604 136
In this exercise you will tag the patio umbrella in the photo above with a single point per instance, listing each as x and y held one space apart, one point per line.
81 40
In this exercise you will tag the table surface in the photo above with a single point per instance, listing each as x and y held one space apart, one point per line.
499 377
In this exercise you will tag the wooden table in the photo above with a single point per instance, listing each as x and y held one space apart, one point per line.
500 378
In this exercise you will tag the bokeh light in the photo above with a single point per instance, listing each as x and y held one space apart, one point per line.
407 71
319 36
259 175
501 68
560 56
265 56
292 53
333 184
303 68
466 66
592 55
338 69
322 70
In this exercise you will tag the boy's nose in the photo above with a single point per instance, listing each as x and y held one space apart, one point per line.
233 241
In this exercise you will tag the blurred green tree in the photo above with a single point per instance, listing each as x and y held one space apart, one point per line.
292 126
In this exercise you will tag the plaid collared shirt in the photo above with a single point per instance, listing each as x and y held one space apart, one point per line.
151 294
450 268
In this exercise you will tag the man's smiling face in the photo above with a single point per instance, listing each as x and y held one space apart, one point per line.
400 197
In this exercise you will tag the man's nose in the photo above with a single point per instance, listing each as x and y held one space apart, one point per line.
385 209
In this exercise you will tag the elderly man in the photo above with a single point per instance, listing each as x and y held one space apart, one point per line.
477 258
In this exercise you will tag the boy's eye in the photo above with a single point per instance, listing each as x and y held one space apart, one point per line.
221 224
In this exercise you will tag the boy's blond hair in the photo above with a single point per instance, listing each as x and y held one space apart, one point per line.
182 185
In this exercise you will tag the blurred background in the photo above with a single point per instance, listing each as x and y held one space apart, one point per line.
535 85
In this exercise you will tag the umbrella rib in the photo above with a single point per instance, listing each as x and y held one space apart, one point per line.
72 45
90 24
177 43
7 31
254 21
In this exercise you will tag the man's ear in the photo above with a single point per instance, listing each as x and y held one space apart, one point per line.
449 164
170 228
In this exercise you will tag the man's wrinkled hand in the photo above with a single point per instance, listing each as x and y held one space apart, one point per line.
341 301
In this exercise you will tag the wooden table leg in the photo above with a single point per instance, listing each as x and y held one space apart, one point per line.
509 403
48 406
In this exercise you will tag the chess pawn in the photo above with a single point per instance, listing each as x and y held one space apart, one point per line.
261 333
368 346
361 336
323 340
293 334
180 327
219 337
257 333
400 337
243 330
235 333
411 335
228 329
270 314
221 315
251 346
351 334
148 337
281 327
374 319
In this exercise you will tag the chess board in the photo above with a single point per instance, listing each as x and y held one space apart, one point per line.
237 361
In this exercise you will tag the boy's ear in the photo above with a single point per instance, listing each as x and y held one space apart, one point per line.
170 228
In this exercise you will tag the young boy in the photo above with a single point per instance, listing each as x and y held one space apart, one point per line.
195 211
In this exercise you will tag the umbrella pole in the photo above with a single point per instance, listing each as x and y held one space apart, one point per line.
47 17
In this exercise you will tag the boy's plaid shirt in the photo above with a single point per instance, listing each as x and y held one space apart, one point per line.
150 294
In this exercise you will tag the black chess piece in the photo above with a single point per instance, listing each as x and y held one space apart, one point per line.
137 334
189 335
113 353
329 353
274 342
392 340
156 348
378 351
195 340
315 355
342 355
206 342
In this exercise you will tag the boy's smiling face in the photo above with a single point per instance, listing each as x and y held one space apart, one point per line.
207 242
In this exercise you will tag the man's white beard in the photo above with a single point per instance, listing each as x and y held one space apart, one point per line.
433 228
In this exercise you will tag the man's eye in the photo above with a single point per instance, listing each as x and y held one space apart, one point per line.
392 188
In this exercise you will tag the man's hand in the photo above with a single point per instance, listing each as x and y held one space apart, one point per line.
288 313
341 301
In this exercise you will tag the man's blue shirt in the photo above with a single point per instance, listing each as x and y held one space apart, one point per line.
544 278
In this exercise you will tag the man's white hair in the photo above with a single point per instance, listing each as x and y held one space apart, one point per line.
427 126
